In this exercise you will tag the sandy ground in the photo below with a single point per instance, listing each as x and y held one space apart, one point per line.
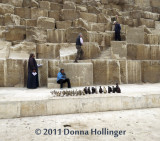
23 94
136 125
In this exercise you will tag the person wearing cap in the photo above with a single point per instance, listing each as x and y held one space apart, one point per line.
61 78
117 30
79 43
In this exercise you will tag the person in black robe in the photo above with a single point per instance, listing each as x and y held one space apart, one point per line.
117 30
33 81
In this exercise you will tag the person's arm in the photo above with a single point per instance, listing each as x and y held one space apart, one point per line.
81 40
60 76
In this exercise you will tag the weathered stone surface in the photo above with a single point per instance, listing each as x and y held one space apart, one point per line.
150 15
80 74
81 8
14 73
17 3
155 52
44 5
22 50
119 50
5 8
53 68
69 5
99 72
2 73
123 72
69 14
150 71
91 50
135 35
36 12
153 39
72 33
155 3
48 51
46 23
63 24
15 33
37 35
134 71
11 19
89 17
23 12
143 3
56 6
30 22
43 72
148 22
54 14
4 49
56 36
30 3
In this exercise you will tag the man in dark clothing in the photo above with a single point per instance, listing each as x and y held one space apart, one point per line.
117 30
79 43
32 82
61 78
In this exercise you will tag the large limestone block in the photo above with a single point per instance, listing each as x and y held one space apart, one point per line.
119 50
153 39
22 50
72 33
113 72
134 71
53 68
37 35
15 33
155 3
14 73
91 50
80 74
43 72
11 19
44 5
93 9
69 5
16 3
46 23
48 51
82 8
56 6
138 51
148 22
36 12
2 73
151 71
150 15
33 108
135 35
155 52
123 71
31 23
2 23
23 12
4 49
102 38
99 72
89 17
30 3
5 8
56 36
69 14
63 24
54 14
143 3
9 110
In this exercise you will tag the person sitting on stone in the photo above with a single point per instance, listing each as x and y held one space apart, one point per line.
117 30
79 43
61 78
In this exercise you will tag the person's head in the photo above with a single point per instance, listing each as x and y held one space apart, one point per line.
114 22
62 70
80 34
32 55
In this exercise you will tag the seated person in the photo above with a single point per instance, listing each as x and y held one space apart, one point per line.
61 78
